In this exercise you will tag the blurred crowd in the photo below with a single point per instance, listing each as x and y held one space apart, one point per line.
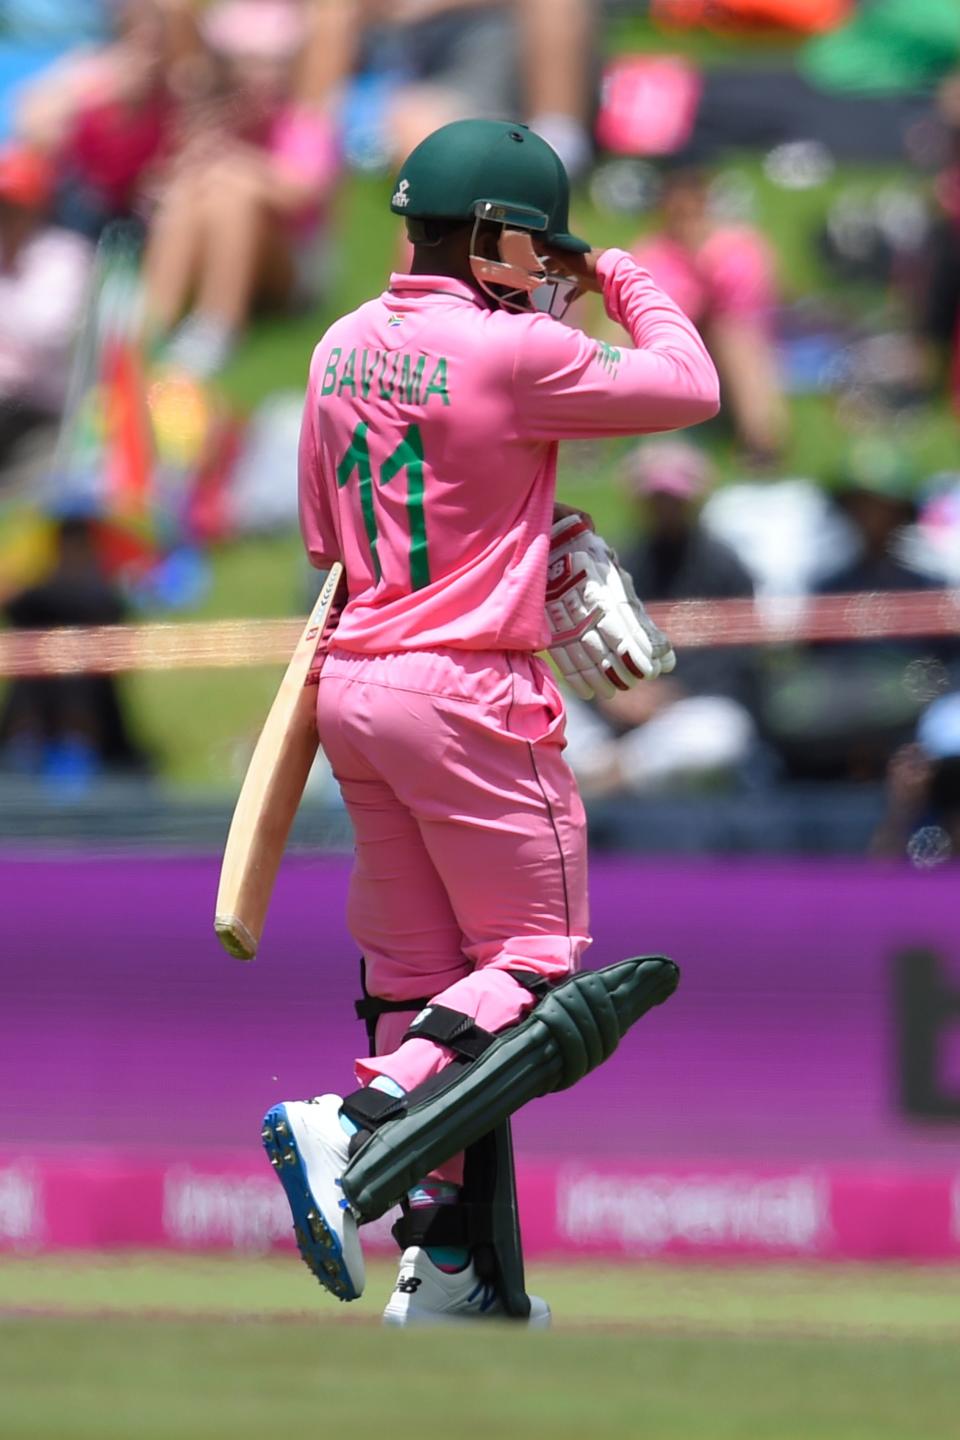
879 712
208 139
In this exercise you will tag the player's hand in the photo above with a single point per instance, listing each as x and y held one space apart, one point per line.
602 638
562 512
581 268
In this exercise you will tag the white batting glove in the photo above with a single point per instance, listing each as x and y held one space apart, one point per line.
602 638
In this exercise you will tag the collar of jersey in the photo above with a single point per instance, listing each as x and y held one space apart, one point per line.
412 286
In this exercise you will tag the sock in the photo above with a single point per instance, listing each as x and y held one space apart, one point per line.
382 1082
448 1258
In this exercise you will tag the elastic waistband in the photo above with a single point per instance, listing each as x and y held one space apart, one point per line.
469 674
469 660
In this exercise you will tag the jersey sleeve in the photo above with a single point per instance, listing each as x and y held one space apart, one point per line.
569 386
316 511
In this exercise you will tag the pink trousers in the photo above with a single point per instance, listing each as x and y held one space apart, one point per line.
470 835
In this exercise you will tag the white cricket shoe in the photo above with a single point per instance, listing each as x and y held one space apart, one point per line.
425 1295
308 1148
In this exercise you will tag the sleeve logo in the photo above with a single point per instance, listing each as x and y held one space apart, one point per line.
609 358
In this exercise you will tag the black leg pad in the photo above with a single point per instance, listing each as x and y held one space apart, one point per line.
573 1029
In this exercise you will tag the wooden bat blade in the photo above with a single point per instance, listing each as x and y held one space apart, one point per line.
271 793
261 823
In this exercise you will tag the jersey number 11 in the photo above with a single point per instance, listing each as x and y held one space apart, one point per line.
408 456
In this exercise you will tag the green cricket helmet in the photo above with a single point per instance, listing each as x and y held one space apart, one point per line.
502 166
501 173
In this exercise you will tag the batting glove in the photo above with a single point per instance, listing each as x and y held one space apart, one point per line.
602 638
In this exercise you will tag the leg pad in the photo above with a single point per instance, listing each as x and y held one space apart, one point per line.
572 1030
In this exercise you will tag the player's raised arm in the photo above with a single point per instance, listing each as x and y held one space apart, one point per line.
570 386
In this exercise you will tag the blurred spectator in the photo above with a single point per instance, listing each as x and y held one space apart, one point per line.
788 533
68 728
862 91
696 723
887 47
922 821
35 34
107 114
423 63
60 22
739 16
238 222
879 500
722 277
44 273
939 269
839 711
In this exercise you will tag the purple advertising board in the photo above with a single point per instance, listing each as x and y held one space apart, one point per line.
816 1033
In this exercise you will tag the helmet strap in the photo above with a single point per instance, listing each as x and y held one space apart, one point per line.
428 233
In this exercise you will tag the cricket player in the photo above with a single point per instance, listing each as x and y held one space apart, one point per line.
427 466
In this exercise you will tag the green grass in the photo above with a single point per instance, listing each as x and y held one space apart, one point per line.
67 1381
185 1347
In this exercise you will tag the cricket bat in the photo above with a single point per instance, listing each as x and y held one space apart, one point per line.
271 792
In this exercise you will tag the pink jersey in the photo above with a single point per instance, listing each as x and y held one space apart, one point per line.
428 452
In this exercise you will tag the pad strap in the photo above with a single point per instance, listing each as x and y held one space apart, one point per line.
538 985
371 1007
458 1032
462 1225
370 1108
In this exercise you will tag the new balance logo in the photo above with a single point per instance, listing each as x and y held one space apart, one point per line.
409 1284
400 196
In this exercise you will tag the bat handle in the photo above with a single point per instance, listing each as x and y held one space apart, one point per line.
235 937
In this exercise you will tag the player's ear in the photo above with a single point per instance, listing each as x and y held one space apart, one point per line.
486 242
